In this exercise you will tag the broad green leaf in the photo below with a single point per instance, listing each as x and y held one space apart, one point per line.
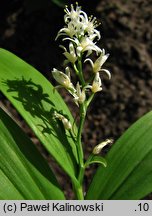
95 159
23 172
33 96
129 171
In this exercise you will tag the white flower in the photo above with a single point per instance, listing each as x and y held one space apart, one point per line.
96 66
63 79
85 44
90 25
73 29
74 21
97 149
96 85
81 33
78 24
75 14
80 20
79 96
70 31
71 55
66 123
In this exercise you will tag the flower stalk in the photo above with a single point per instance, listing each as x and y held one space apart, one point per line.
80 74
79 136
81 34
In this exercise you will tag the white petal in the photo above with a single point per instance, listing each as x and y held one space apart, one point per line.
67 71
107 72
89 60
61 46
79 50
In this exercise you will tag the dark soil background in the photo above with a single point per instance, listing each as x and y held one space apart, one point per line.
28 29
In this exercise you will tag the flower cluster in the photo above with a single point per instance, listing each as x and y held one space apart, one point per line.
81 34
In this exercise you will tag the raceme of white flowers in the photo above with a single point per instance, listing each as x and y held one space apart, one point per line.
81 35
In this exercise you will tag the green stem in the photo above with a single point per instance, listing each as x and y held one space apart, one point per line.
90 99
81 73
79 146
78 189
80 149
81 174
78 192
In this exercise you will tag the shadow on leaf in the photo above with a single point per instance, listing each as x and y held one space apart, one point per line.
36 102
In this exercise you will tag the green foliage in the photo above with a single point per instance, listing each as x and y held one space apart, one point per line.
129 171
23 172
34 98
95 159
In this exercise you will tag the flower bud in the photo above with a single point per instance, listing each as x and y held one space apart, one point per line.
96 85
66 123
97 149
62 79
71 56
80 95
